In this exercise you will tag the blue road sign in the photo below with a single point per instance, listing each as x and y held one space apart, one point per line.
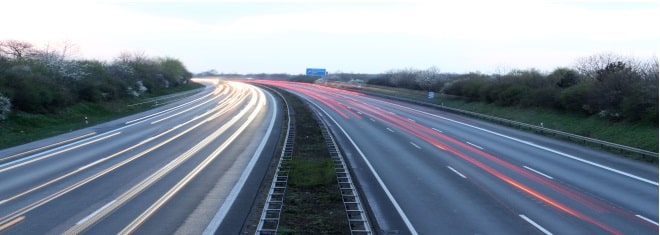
316 72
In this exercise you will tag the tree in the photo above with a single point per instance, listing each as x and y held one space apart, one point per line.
381 80
208 73
427 78
613 84
57 62
405 78
135 57
565 77
16 49
589 66
649 70
174 71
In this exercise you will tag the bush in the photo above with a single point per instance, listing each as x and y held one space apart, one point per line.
44 81
576 98
565 78
303 78
382 80
5 107
511 95
615 90
542 97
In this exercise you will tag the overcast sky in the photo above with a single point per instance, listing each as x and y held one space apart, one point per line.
367 37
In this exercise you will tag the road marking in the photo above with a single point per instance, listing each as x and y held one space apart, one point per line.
358 112
48 146
93 177
411 120
114 155
95 212
21 161
639 216
373 120
538 172
389 195
389 129
50 153
474 145
229 201
458 173
436 130
531 144
545 231
159 174
416 146
168 110
12 223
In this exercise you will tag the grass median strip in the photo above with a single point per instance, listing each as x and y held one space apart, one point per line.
312 203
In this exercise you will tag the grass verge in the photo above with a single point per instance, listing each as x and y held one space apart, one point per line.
22 128
312 201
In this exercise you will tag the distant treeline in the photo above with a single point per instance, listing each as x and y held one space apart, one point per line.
36 80
606 85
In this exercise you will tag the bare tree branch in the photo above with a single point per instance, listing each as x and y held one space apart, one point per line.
16 49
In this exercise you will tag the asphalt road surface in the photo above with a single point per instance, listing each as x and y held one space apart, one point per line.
177 169
424 171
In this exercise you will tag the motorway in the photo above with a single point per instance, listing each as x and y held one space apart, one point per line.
180 168
423 171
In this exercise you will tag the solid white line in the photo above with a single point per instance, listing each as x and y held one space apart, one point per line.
160 173
229 201
53 152
437 130
167 110
96 212
535 224
458 173
51 145
91 178
647 220
81 141
373 172
531 144
474 145
538 172
390 129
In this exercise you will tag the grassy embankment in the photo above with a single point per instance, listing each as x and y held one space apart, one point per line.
313 202
21 127
636 135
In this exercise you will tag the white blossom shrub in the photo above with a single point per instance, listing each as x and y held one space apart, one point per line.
5 107
141 86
